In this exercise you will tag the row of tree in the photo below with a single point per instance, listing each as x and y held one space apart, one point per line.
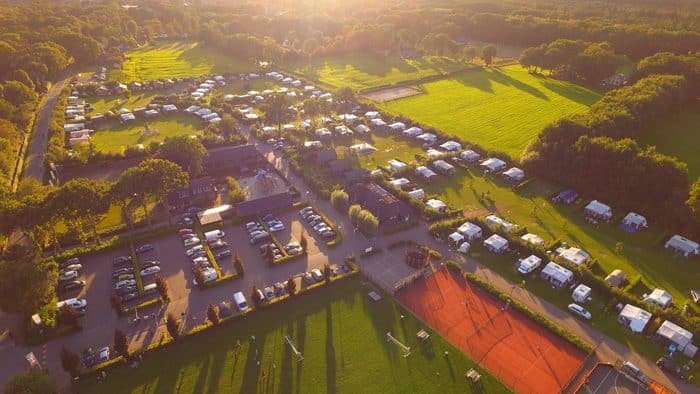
590 62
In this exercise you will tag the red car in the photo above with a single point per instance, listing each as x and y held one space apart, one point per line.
185 231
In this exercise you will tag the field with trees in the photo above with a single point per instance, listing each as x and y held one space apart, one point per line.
500 109
341 334
176 59
366 70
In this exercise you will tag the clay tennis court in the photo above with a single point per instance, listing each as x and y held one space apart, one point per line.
522 354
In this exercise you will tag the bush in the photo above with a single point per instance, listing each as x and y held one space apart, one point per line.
238 265
340 199
162 287
235 192
70 362
173 326
121 343
291 286
365 221
213 314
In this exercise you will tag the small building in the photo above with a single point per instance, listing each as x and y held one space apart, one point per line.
203 111
436 205
451 146
418 194
493 165
557 275
444 167
660 298
348 118
233 159
214 215
427 138
529 264
567 197
633 222
395 165
412 132
464 248
397 127
362 129
426 173
434 153
683 246
496 222
313 144
470 231
533 239
323 133
513 174
264 204
470 156
455 238
581 294
675 335
496 244
400 183
192 109
573 255
634 318
378 124
388 209
199 189
371 114
597 210
616 278
342 131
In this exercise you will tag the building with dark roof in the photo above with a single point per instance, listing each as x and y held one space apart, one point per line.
199 189
233 160
265 204
326 155
388 209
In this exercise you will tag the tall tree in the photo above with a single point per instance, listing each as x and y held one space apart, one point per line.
488 53
28 285
277 111
186 151
35 381
70 362
121 343
82 203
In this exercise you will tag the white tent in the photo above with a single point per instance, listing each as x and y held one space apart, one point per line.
495 221
397 126
598 210
451 146
470 230
683 245
350 118
371 114
556 274
470 156
363 148
456 238
493 164
395 165
400 182
418 194
676 334
464 248
425 172
581 293
413 132
660 298
377 122
428 138
436 205
443 166
533 239
529 264
362 129
635 221
496 244
434 153
514 174
634 318
573 255
312 144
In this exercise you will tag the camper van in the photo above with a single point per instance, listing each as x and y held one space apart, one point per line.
240 301
214 235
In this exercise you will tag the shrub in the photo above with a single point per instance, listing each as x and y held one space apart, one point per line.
70 362
162 287
291 286
238 264
121 343
235 192
173 326
255 297
213 314
327 273
340 199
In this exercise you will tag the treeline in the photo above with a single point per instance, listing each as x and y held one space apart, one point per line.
586 152
669 63
578 59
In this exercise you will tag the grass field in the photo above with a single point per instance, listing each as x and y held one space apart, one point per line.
388 147
341 334
365 70
115 137
678 135
113 103
500 109
176 59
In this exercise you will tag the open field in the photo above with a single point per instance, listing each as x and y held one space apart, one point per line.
500 109
342 336
176 59
521 353
678 135
365 70
116 137
113 103
388 147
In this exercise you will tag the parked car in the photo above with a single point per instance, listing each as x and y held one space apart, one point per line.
185 221
307 278
219 244
124 277
251 226
67 276
150 271
150 288
185 231
130 296
268 217
256 233
241 302
269 293
124 283
72 285
667 364
70 261
102 354
276 227
305 210
281 288
126 289
193 210
192 251
122 260
191 242
88 357
579 310
122 271
223 253
75 303
144 248
72 267
318 275
185 237
259 238
152 263
311 218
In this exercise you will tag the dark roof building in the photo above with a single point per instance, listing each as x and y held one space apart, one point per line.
384 205
199 189
325 155
355 175
264 204
337 167
233 159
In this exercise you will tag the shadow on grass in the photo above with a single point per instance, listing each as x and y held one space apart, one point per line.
572 92
331 373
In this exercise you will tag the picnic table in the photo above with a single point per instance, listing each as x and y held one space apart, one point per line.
422 335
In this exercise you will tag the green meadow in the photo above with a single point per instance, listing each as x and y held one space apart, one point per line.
500 109
341 334
115 137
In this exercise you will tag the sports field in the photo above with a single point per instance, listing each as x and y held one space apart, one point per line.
678 135
341 334
518 351
365 70
115 137
176 59
500 109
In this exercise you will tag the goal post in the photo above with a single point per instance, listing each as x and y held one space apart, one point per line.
406 349
296 352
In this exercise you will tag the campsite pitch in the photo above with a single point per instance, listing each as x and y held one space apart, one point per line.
341 334
522 354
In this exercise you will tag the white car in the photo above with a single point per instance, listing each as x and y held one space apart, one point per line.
191 242
72 267
75 303
317 274
67 275
193 251
150 270
124 283
579 310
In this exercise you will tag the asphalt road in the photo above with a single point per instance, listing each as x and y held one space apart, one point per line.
39 142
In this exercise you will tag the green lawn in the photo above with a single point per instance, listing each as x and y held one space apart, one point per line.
677 135
176 59
388 147
341 334
367 70
115 137
114 103
500 109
